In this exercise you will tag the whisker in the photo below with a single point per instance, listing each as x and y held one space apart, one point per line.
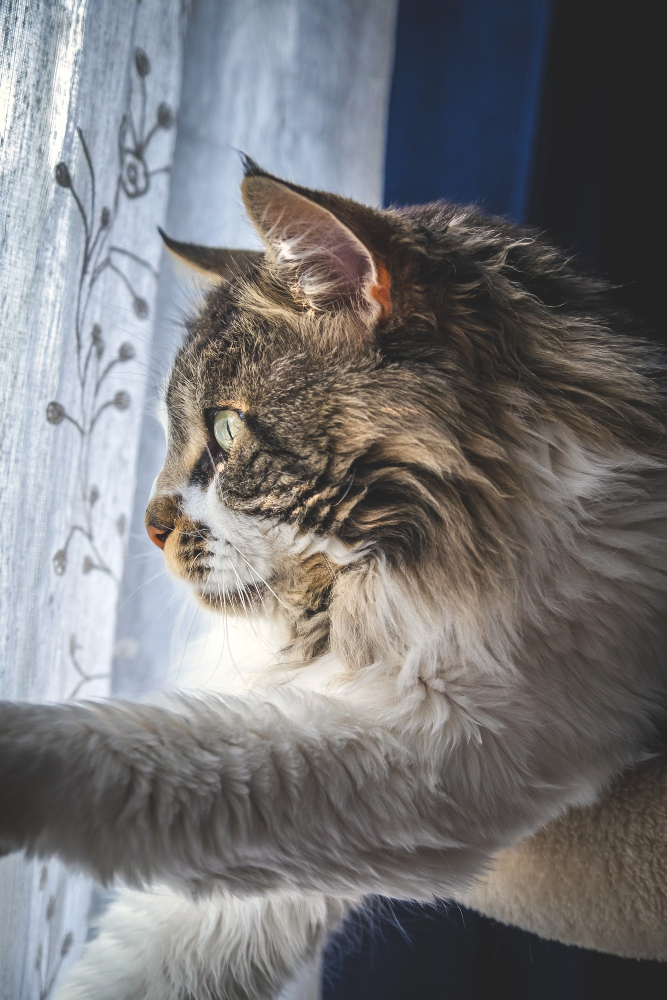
163 572
187 640
258 575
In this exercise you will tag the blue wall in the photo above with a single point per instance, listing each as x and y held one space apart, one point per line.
465 102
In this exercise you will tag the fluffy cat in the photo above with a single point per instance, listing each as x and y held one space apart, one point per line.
434 451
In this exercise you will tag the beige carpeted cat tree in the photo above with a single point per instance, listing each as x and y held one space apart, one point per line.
597 877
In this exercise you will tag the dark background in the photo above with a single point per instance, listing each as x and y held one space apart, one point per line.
550 113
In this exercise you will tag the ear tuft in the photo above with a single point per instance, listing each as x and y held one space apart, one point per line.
323 261
250 168
215 264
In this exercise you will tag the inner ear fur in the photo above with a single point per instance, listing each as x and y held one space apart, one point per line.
214 263
319 255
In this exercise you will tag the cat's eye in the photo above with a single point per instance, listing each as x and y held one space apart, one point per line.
226 426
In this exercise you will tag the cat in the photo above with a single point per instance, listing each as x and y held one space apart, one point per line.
434 453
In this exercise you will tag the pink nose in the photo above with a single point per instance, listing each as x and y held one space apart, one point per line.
158 535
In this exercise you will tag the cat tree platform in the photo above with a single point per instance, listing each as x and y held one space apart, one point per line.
596 877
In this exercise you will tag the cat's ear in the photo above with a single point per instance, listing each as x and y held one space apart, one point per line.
320 257
210 262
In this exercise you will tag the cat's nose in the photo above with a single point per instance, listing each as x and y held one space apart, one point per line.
161 515
158 535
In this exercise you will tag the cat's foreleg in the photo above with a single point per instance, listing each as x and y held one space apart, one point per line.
161 946
309 797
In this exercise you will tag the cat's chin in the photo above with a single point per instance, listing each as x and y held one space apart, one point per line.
251 599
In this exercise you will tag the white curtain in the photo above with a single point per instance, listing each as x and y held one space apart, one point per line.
88 96
89 91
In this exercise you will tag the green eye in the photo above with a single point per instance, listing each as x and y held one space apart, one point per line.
226 426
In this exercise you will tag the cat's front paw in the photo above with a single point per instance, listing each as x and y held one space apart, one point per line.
12 791
24 775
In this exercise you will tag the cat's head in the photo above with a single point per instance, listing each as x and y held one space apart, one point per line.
348 404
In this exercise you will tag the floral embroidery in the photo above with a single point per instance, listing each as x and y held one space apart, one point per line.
94 360
94 364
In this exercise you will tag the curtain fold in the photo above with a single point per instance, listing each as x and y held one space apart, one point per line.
88 99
